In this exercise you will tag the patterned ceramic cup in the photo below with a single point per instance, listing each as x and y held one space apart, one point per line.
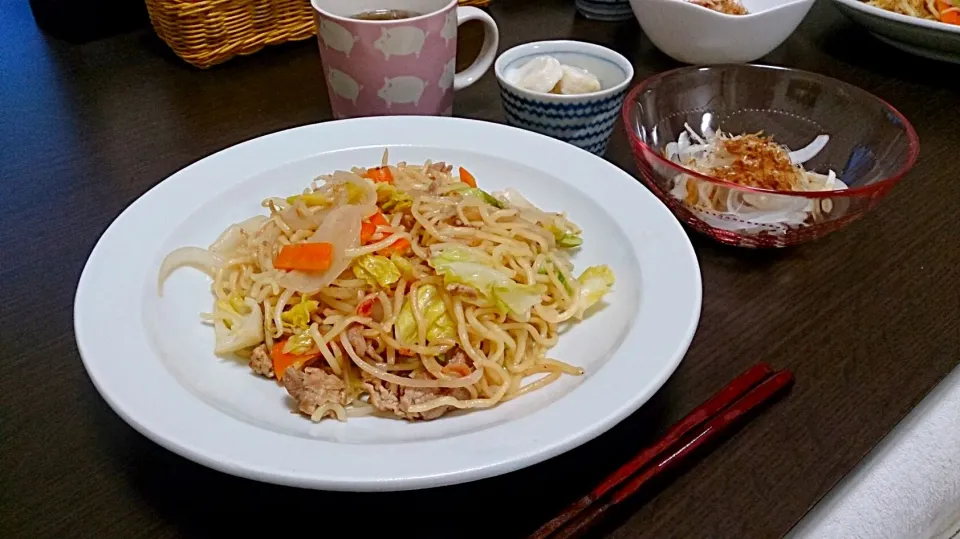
401 66
584 120
605 10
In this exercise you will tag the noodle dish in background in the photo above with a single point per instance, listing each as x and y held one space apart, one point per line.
928 28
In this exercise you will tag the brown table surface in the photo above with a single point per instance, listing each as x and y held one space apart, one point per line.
866 318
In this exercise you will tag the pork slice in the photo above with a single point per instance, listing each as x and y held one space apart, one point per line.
312 388
260 361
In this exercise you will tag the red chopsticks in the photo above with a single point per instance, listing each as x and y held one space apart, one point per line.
758 385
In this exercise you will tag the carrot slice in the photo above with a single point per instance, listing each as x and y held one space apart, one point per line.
369 227
366 231
467 178
380 175
948 13
379 220
400 246
283 360
305 257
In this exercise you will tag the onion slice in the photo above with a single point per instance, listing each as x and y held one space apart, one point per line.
233 236
809 151
298 217
201 259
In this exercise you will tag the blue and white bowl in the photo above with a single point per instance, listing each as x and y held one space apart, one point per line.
605 10
585 120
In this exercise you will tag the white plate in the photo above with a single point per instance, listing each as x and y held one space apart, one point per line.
930 39
152 359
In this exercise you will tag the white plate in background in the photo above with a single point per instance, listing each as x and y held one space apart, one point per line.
930 39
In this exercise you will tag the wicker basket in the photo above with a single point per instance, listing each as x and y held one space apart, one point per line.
208 32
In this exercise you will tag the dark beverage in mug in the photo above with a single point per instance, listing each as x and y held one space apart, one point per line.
386 15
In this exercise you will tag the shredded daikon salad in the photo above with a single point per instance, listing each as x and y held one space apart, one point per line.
752 160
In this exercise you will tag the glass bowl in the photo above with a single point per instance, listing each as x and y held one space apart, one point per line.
871 147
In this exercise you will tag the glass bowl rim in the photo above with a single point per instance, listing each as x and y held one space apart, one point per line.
913 140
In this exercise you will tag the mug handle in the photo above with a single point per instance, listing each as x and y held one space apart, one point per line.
488 51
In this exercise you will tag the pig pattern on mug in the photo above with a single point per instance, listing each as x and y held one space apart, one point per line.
446 78
393 67
404 89
336 37
401 41
344 86
449 27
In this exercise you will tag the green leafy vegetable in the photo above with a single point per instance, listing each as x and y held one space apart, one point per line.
464 265
310 199
566 234
238 324
434 314
233 304
484 196
461 253
355 193
569 241
298 316
519 299
392 199
402 264
595 281
299 344
376 270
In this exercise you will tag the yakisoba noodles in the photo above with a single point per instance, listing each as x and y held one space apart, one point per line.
398 290
946 11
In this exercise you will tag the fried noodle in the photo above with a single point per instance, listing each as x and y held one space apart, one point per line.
452 302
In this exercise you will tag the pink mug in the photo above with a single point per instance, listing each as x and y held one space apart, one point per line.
398 66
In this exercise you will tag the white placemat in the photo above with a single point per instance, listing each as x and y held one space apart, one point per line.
908 487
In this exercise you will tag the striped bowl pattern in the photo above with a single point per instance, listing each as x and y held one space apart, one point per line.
587 124
605 10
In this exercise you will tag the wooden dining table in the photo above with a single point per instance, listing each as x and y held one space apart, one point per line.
866 318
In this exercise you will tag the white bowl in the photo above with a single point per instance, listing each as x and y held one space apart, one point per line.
697 35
